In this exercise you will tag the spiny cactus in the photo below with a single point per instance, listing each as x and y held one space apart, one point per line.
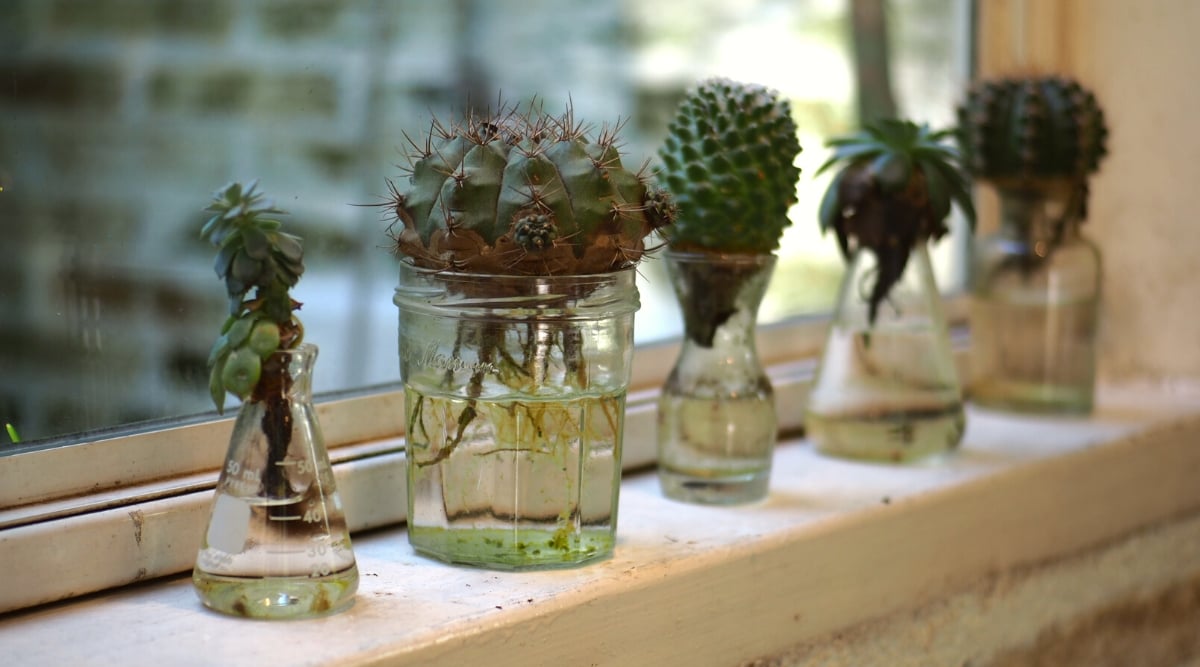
728 161
894 190
1015 130
523 194
253 255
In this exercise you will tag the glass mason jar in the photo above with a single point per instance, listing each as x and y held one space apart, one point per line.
515 404
887 388
1035 293
277 544
716 413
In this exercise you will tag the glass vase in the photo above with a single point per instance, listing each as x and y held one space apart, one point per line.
277 544
886 388
515 404
716 413
1034 309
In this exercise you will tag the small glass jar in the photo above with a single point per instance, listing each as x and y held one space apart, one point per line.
277 545
1034 311
716 413
887 388
515 403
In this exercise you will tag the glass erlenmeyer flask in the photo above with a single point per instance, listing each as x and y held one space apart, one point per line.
887 388
277 544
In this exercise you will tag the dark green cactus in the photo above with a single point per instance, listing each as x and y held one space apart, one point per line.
253 255
523 194
1017 130
728 160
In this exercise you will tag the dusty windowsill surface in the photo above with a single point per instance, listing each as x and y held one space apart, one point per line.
836 545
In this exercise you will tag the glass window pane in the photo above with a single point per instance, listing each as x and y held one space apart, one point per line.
120 117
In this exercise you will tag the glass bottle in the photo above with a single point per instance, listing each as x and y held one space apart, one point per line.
515 405
1034 309
887 389
716 413
277 544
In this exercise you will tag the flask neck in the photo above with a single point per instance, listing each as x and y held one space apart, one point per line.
287 374
889 290
719 295
1041 215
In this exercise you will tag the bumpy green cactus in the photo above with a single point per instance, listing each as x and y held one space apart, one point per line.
1015 130
728 160
253 255
523 194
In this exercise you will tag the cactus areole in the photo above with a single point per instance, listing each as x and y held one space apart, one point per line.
523 193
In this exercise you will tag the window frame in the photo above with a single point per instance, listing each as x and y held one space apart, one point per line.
98 497
141 519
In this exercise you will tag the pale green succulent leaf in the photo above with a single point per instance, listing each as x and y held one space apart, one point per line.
891 171
219 349
958 190
831 205
216 388
936 187
240 331
245 269
257 245
850 153
224 259
290 246
210 227
241 372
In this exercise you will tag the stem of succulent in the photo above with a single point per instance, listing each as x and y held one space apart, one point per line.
273 391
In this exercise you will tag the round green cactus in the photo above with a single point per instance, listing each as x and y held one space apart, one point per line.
728 161
1018 130
523 194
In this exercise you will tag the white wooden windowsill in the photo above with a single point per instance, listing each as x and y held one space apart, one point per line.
836 543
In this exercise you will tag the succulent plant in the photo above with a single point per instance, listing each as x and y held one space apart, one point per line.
523 193
259 264
894 190
1018 130
728 161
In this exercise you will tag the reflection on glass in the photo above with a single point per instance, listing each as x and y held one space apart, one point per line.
119 119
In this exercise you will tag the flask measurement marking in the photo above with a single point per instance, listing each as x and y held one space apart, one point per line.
303 466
